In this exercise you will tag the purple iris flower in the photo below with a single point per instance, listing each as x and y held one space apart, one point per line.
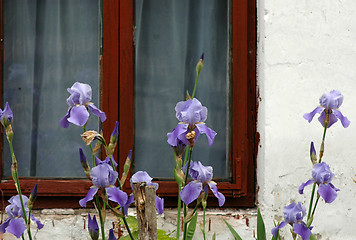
329 105
104 177
142 176
192 116
15 224
120 197
93 227
6 115
202 181
79 103
294 214
107 161
322 175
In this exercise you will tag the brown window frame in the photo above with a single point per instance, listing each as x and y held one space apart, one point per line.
117 82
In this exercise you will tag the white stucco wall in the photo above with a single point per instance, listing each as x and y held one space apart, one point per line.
305 48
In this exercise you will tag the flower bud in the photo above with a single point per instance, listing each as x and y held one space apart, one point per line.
93 228
111 235
6 115
200 64
313 157
115 134
84 162
179 176
32 197
127 166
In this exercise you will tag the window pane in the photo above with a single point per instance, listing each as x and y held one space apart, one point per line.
170 37
48 45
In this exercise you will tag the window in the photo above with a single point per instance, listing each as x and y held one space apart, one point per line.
238 184
119 97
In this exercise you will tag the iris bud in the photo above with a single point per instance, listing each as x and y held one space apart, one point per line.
313 157
32 197
200 64
83 161
93 228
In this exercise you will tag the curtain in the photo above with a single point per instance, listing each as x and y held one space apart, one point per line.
170 37
48 45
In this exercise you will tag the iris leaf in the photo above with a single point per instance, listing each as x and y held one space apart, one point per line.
191 227
261 231
234 233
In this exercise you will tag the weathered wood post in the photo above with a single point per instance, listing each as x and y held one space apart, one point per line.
145 201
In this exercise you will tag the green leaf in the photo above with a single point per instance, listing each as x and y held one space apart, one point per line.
213 237
261 231
312 237
163 235
191 227
234 233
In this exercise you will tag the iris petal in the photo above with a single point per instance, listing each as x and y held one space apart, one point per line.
4 225
217 194
117 195
328 193
128 203
344 121
96 111
38 222
78 115
210 133
302 230
64 121
303 185
90 195
275 229
310 116
159 205
191 192
16 227
174 136
142 176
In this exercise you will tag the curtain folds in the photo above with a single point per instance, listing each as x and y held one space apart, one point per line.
170 37
48 45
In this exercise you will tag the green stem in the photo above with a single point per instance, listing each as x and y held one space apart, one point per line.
322 142
185 183
179 210
186 171
311 200
29 225
204 221
18 188
195 85
125 222
98 206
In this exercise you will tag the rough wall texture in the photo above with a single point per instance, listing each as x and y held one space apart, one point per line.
306 48
63 224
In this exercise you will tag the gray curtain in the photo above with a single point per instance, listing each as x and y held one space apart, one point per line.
170 37
49 44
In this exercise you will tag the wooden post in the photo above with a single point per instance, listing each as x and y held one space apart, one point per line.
145 201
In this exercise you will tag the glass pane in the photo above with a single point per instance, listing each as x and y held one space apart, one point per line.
48 45
170 37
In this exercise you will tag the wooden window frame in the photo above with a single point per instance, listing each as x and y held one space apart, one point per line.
117 77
